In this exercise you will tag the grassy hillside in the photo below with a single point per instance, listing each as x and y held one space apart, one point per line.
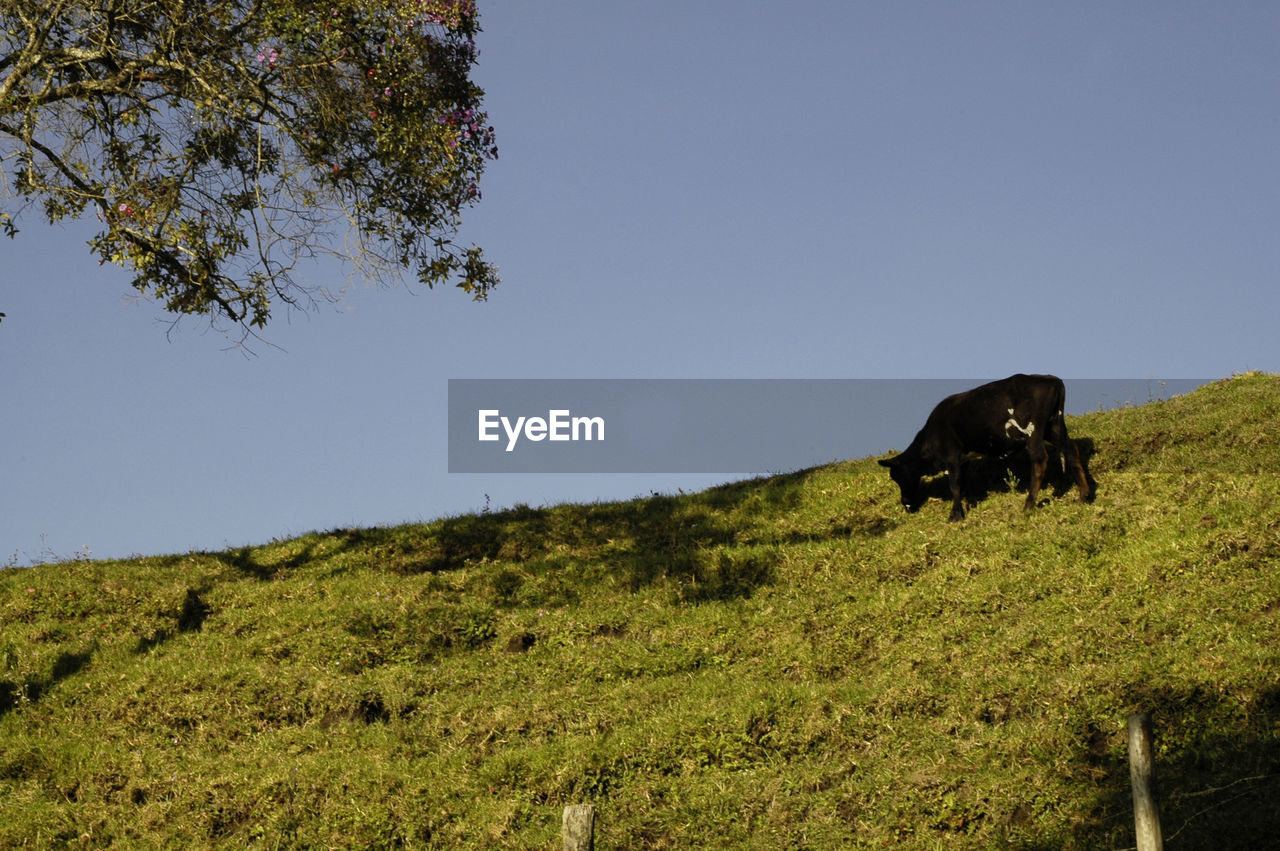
786 662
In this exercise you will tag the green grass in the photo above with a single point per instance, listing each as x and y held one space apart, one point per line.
785 662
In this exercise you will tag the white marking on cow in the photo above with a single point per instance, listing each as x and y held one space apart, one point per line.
1028 430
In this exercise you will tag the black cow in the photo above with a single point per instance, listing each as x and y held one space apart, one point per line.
994 419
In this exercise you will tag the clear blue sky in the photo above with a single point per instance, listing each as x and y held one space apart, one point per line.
710 189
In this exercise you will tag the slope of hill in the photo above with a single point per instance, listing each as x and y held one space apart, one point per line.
785 662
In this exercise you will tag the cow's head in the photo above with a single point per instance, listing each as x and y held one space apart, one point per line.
907 476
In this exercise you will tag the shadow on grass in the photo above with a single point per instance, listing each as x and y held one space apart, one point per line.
639 542
32 690
190 618
1217 771
247 560
679 537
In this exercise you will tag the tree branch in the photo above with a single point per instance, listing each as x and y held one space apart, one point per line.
216 175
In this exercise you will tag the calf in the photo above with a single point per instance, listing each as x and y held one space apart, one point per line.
994 419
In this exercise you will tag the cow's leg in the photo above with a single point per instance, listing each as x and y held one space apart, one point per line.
1072 464
1039 463
1076 467
953 478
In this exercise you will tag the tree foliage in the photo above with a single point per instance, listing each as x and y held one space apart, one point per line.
220 142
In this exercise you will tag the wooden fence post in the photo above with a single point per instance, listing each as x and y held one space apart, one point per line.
577 829
1146 812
